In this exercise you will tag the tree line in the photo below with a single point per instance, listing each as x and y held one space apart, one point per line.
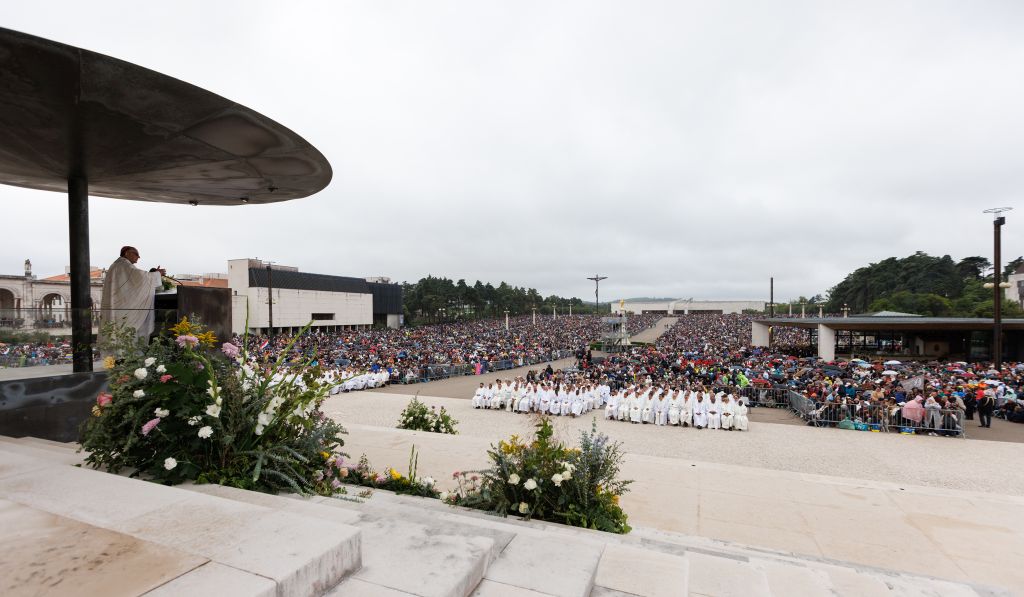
924 285
434 299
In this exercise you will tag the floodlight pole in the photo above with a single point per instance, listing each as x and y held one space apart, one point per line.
597 287
270 301
997 286
81 299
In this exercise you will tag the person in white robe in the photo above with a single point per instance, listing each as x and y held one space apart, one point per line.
647 407
673 407
478 396
700 412
576 407
728 412
740 420
566 402
660 410
686 409
715 411
612 408
624 405
555 406
129 294
636 407
544 400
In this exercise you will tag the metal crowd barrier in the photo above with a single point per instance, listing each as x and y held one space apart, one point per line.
878 417
433 372
761 396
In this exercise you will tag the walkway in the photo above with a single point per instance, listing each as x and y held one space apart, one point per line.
925 505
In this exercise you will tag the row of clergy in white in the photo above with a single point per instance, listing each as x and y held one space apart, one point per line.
637 404
348 380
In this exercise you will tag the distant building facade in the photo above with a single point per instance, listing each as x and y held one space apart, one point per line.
682 307
329 302
30 304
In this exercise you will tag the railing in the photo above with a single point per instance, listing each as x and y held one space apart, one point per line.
878 417
433 372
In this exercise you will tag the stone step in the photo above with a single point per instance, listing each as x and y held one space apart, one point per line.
299 555
48 444
44 453
551 559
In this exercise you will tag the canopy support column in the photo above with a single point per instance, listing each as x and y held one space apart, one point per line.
81 299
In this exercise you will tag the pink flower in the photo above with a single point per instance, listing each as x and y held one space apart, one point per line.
150 425
230 350
381 478
166 378
191 341
336 484
199 367
456 474
104 399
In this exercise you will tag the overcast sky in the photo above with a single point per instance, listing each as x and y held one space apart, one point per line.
687 149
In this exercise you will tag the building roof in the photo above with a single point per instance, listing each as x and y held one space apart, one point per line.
893 323
95 274
304 281
206 282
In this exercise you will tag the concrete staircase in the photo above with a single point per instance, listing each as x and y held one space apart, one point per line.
233 542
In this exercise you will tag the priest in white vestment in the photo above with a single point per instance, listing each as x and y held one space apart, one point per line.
700 412
129 294
740 420
728 412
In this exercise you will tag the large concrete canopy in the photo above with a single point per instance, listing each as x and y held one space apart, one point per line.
83 123
134 133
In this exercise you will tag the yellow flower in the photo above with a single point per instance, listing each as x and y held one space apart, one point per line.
109 362
394 474
325 455
207 338
615 500
182 328
96 411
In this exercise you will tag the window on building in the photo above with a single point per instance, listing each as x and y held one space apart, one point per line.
322 316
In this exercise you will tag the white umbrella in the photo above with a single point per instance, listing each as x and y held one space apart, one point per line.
890 372
858 361
893 363
993 382
865 365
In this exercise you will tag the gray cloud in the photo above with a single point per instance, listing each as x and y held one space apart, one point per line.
682 149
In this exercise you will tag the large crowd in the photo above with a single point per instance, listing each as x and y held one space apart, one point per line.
709 357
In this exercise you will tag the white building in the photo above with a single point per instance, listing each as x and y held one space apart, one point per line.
1015 292
687 306
330 302
29 304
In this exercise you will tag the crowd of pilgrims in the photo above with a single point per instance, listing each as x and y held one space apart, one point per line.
638 404
367 358
705 363
25 354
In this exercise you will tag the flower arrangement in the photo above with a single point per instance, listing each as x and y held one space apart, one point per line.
417 417
180 409
546 480
391 480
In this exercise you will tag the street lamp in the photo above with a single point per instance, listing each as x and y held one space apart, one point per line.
534 315
846 310
997 286
597 286
506 320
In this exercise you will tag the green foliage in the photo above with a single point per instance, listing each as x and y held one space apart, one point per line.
546 480
180 411
921 284
440 299
418 417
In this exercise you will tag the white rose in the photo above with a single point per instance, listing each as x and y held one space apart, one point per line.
170 463
205 432
513 479
161 369
530 485
161 412
213 410
193 421
139 394
556 479
566 475
444 496
429 481
141 373
149 362
524 507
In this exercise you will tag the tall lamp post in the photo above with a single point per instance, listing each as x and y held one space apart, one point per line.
997 286
597 287
506 320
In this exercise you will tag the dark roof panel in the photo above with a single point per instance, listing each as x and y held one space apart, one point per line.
303 281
